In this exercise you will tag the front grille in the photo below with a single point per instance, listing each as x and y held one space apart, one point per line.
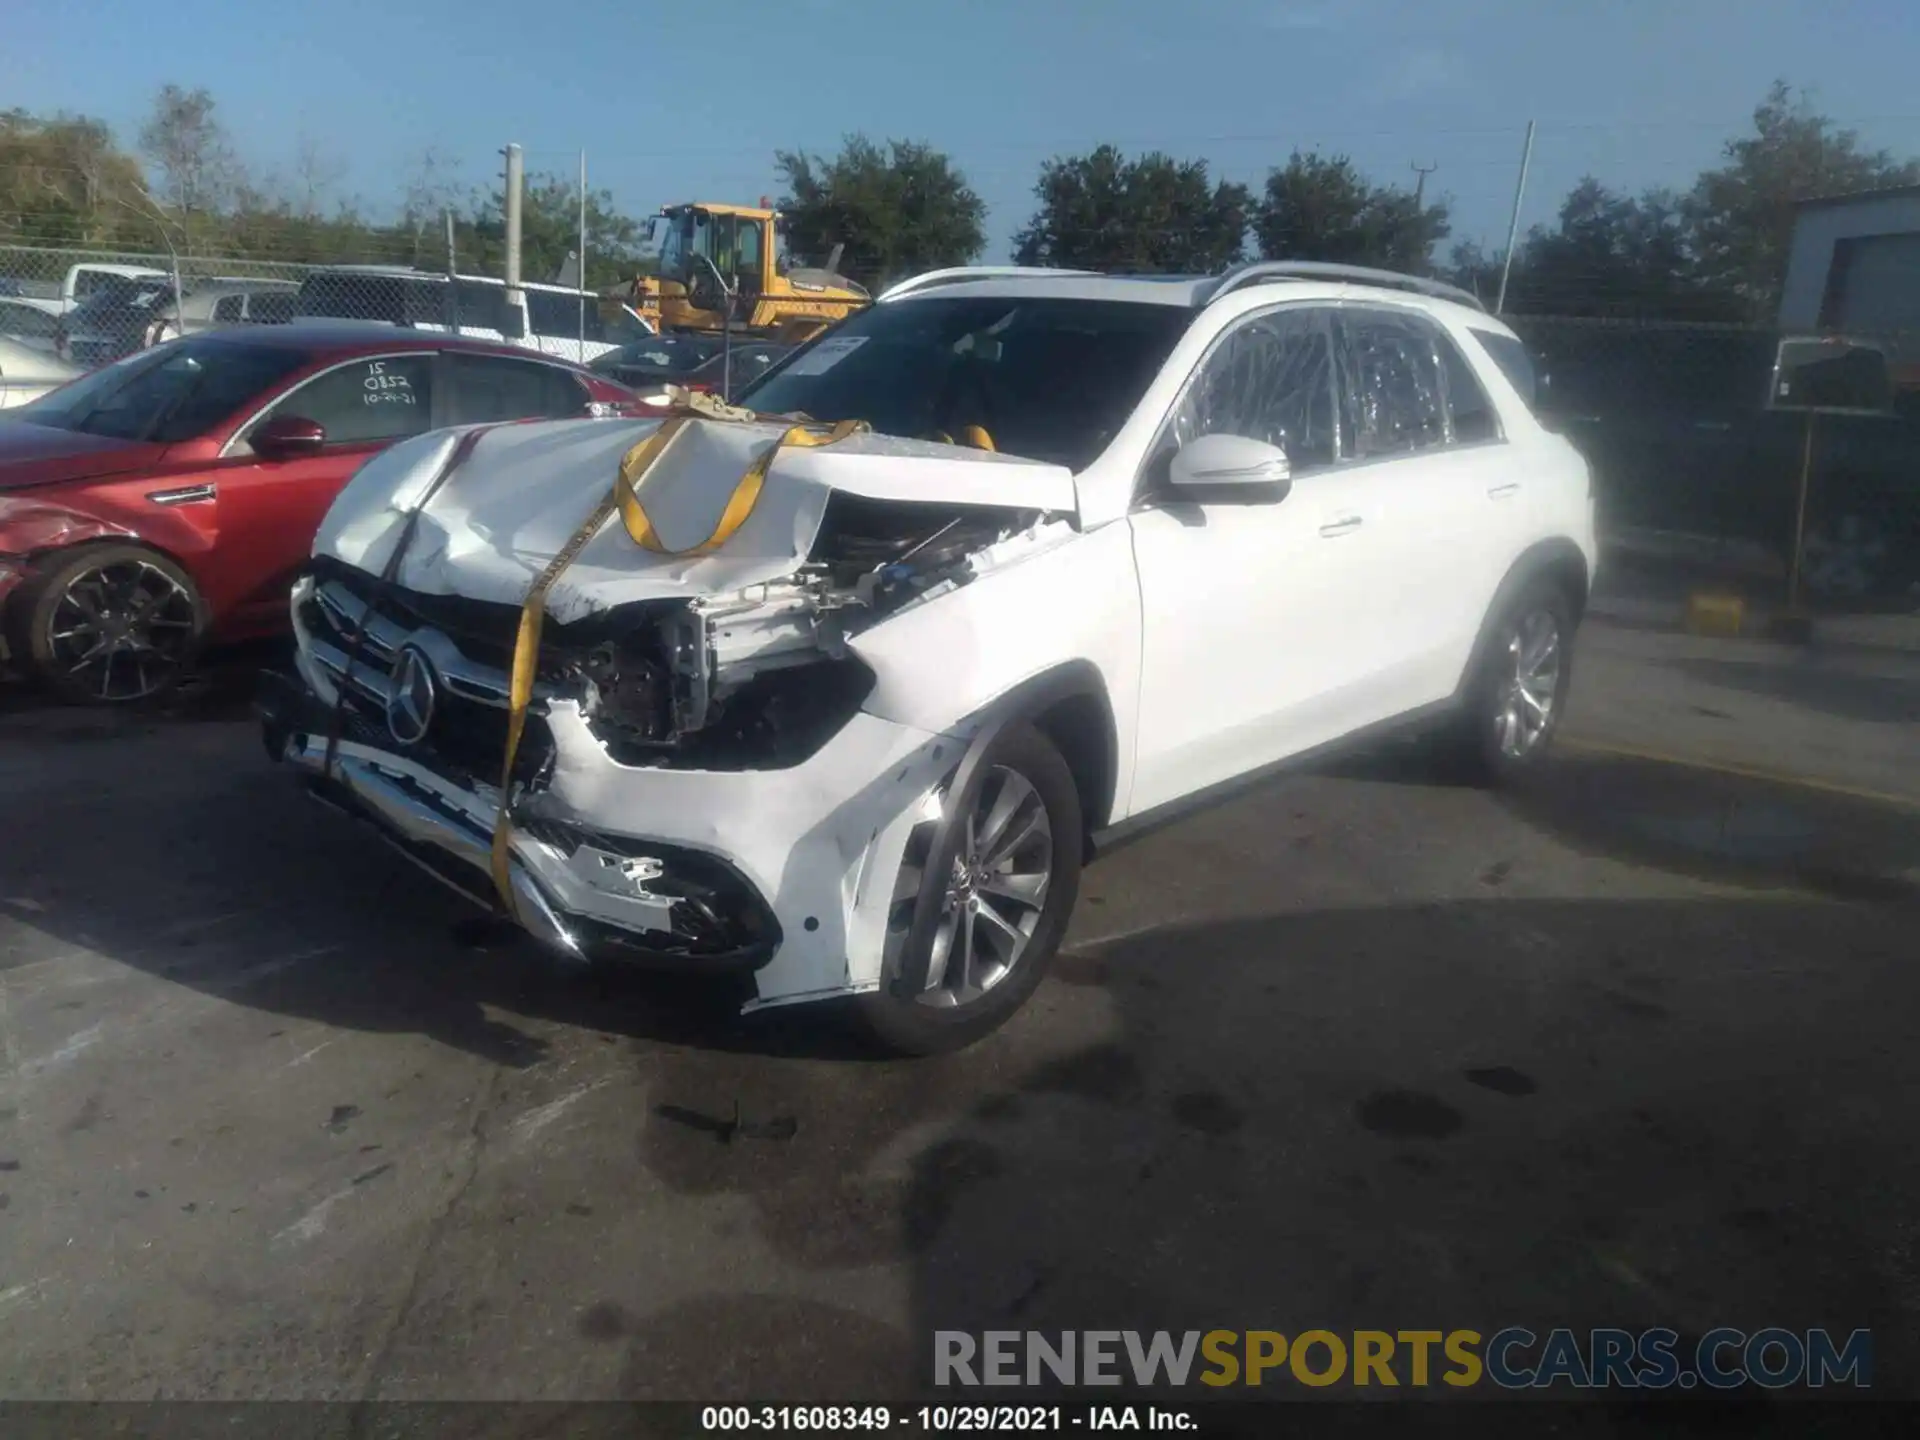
484 630
467 739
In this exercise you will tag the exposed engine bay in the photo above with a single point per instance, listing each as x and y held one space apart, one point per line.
762 678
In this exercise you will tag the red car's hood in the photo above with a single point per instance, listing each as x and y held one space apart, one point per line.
41 455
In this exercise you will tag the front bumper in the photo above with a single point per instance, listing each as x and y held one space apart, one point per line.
788 875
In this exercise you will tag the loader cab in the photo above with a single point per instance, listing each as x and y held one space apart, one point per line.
732 240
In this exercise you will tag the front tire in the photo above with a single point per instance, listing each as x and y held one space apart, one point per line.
1010 891
108 625
1517 693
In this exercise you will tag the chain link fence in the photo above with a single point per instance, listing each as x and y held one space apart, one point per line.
1693 472
90 307
1696 476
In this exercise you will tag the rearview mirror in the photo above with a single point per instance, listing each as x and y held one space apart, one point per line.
1231 468
288 437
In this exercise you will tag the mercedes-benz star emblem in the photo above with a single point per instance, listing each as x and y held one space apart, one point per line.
412 691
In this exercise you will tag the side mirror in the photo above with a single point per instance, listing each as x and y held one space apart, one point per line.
288 437
1230 469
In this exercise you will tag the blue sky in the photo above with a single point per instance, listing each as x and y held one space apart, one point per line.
686 100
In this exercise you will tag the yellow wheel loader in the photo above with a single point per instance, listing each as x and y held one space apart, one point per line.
722 266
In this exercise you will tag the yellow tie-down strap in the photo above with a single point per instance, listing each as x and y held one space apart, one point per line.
625 500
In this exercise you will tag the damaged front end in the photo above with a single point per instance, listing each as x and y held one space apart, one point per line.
762 678
696 782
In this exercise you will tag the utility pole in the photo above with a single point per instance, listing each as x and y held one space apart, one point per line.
582 280
1513 226
516 186
1420 185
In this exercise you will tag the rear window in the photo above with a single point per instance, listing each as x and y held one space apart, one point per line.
1514 362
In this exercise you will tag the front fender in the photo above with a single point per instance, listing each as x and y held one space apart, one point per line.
1074 602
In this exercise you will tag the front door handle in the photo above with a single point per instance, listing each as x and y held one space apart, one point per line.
1503 492
1345 525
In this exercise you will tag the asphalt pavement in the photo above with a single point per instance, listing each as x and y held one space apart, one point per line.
279 1118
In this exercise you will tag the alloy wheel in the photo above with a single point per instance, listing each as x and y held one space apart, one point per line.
120 631
995 894
1529 684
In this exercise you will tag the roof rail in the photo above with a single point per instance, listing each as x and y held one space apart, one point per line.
1261 271
973 272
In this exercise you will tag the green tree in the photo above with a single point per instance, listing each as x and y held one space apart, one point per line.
1741 215
1102 211
898 209
63 181
549 233
1616 255
1319 208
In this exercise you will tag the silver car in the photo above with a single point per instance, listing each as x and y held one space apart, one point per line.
215 303
27 374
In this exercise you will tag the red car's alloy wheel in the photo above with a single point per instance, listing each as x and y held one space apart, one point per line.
114 626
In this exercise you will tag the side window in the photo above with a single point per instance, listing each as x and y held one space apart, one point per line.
482 307
1271 379
382 398
275 308
425 302
1474 418
488 388
227 309
86 282
545 314
747 266
1391 401
557 316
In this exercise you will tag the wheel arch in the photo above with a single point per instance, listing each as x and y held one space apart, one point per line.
1558 561
1069 704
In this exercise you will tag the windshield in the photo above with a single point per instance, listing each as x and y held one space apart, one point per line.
1047 378
660 355
166 394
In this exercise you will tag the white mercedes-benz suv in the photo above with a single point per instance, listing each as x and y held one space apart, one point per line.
846 706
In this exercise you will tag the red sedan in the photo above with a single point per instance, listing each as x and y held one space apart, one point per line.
170 499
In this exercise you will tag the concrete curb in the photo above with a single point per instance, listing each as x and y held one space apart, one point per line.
1900 633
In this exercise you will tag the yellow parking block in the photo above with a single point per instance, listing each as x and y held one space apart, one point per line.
1716 613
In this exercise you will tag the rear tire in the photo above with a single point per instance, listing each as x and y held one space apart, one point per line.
1005 907
107 625
1517 692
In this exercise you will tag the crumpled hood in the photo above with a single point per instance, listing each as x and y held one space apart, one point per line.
523 491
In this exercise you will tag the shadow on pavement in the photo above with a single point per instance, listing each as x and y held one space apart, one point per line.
1468 1115
1461 1114
222 688
1826 690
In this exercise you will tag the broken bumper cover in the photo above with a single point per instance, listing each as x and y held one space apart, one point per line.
788 874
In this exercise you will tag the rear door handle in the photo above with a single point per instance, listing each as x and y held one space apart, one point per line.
1503 492
1345 525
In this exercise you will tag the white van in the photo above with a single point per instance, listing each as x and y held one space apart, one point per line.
554 319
